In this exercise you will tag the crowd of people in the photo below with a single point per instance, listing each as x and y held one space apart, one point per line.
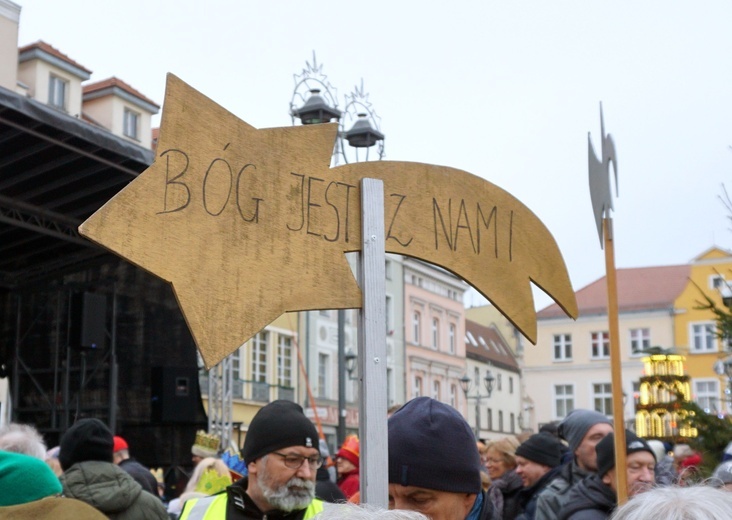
436 470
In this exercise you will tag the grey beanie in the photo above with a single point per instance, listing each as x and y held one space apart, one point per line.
574 427
431 446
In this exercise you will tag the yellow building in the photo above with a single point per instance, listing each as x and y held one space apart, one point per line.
658 306
265 368
695 330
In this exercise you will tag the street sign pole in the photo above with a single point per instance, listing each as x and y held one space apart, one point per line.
372 348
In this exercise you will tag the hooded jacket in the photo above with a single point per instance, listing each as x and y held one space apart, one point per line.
112 491
590 499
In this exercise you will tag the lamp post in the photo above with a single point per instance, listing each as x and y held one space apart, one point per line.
465 384
315 101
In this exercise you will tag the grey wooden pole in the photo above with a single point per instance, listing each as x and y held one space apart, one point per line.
372 348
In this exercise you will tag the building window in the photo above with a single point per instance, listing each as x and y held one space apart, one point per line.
602 395
562 347
236 364
476 377
489 414
323 362
600 342
131 127
640 340
416 325
706 393
435 333
417 390
324 314
499 379
259 357
563 400
500 420
510 384
388 318
717 282
453 396
513 423
436 394
57 92
284 361
453 333
703 337
387 269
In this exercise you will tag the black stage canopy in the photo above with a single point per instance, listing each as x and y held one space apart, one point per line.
55 171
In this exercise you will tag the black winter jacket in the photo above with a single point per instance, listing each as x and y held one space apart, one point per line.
529 496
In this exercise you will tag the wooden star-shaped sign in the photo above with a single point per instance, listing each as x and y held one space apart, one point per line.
248 224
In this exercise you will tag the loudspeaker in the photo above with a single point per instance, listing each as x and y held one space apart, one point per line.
88 320
174 394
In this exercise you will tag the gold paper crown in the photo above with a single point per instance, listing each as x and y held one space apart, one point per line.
211 482
158 474
206 444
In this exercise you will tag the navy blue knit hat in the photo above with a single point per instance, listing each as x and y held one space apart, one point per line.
431 446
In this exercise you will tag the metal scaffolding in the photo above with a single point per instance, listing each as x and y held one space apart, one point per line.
220 402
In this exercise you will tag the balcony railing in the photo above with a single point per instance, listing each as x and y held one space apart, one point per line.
253 390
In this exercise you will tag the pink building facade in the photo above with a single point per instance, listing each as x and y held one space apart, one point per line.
434 323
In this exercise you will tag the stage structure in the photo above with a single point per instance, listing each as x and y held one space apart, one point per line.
82 332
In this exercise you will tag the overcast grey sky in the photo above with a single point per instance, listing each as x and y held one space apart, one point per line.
504 90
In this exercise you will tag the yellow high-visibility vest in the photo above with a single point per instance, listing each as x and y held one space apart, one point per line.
214 508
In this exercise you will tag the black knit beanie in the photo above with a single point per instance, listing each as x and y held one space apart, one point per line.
431 446
87 439
542 448
605 450
278 425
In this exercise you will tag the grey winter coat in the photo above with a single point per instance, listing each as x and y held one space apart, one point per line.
591 499
112 491
552 499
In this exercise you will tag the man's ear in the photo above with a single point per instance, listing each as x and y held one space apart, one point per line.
468 502
607 478
252 467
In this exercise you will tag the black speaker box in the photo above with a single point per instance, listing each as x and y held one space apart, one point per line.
175 394
88 320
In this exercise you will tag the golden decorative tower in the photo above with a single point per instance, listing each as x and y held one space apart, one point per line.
663 389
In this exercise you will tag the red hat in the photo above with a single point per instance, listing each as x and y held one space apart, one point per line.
691 461
350 450
119 444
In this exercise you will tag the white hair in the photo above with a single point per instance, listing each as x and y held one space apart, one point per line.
22 438
678 503
349 511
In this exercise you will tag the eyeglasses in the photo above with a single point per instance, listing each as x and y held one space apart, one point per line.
296 461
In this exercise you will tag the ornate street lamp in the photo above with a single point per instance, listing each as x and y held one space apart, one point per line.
350 358
466 383
316 110
315 101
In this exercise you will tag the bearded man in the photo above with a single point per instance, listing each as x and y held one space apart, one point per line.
282 457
